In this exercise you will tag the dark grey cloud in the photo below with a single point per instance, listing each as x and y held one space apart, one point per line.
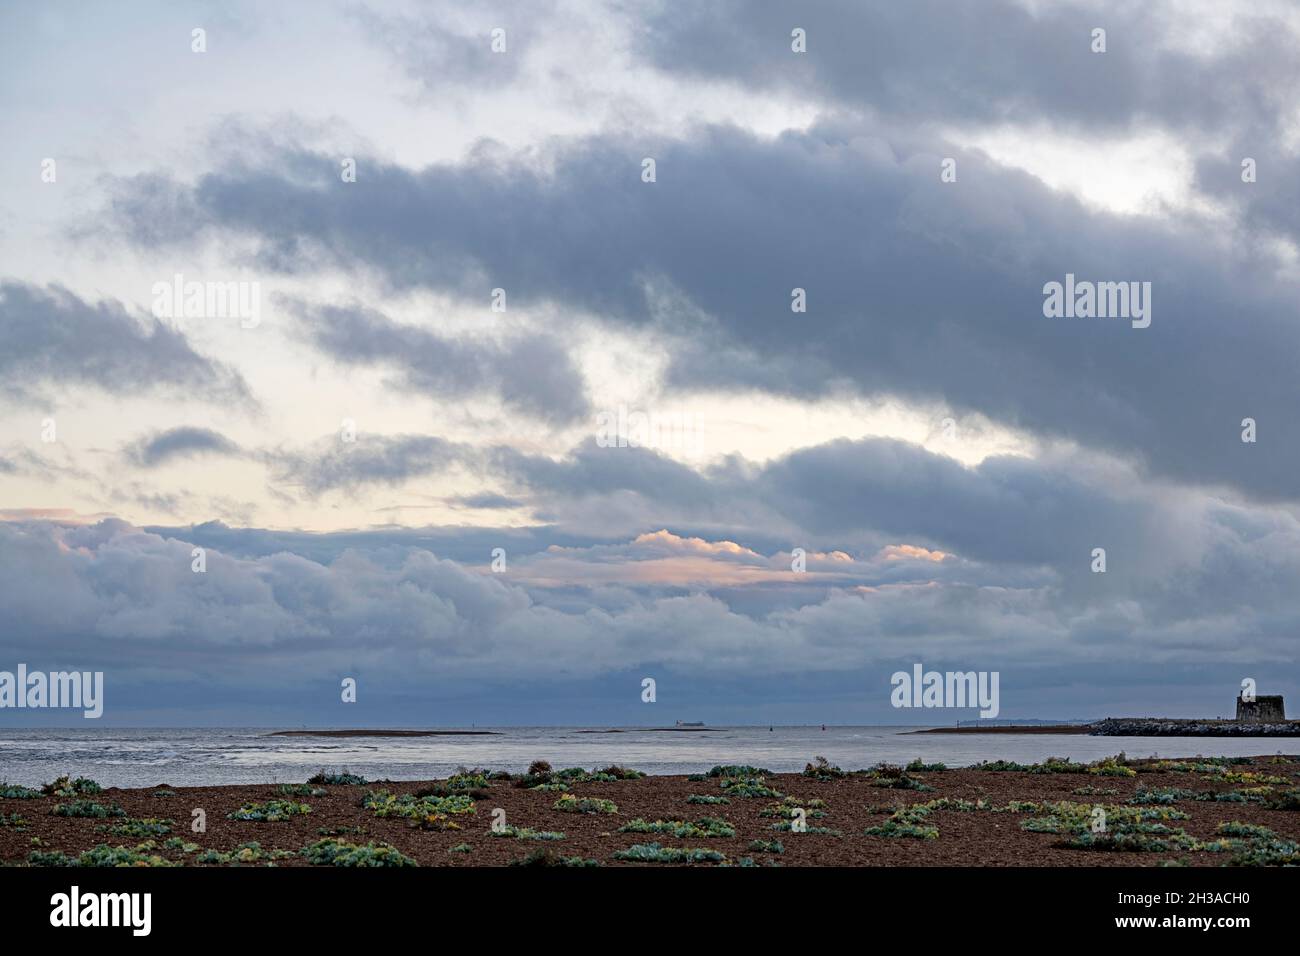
916 289
365 460
989 62
532 373
185 441
51 338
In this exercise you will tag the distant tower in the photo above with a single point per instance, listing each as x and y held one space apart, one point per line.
1261 710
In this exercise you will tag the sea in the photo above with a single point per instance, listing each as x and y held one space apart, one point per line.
186 757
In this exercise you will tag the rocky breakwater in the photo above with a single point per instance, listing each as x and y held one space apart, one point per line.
1169 727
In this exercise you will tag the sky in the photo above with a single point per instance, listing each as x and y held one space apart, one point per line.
499 357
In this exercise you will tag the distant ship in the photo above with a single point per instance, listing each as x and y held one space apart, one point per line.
690 723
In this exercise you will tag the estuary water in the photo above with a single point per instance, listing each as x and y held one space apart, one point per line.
142 757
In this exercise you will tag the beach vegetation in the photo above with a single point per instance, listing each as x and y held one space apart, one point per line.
340 853
272 811
527 833
66 786
12 791
787 826
766 846
1160 795
101 855
682 829
654 853
568 803
342 778
88 808
251 852
140 829
738 770
300 790
706 799
747 787
823 769
918 766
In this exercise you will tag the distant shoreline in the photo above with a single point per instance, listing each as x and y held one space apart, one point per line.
1009 729
385 733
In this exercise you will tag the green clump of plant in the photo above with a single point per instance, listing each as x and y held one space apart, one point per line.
66 786
12 791
15 820
568 803
551 788
706 799
461 848
300 790
917 766
894 777
1261 852
49 858
547 858
787 826
654 853
273 811
1090 791
787 809
909 821
1161 795
539 772
703 827
141 828
697 777
526 833
104 855
743 771
748 787
1050 765
466 780
422 810
897 828
1018 806
619 772
1116 766
341 779
88 808
251 852
1286 800
823 769
163 792
766 846
176 843
1235 828
1124 840
339 853
1225 796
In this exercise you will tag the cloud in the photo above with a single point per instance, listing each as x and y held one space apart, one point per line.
184 441
1000 61
50 338
917 290
339 463
533 373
